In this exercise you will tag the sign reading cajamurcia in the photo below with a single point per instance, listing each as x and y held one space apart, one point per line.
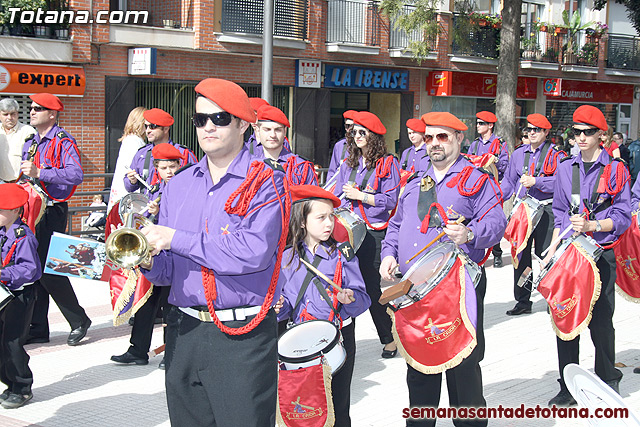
365 78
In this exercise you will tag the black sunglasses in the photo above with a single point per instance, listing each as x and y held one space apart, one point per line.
533 130
360 132
221 118
587 132
151 126
441 137
480 123
38 109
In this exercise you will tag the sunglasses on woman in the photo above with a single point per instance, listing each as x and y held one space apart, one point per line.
587 132
221 118
361 132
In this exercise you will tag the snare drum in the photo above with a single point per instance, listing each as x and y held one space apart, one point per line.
429 270
5 296
36 204
534 209
349 227
591 247
306 343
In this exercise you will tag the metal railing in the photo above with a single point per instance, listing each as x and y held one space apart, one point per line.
82 210
353 21
472 39
554 45
166 13
623 52
401 39
245 16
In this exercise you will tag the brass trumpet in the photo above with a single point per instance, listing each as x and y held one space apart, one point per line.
127 247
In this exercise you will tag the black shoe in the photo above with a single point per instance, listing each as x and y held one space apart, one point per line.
78 333
131 320
16 400
389 354
636 370
130 358
518 310
161 365
5 395
563 398
36 340
614 384
497 261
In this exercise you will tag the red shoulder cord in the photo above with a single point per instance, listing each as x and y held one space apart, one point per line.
443 216
550 163
257 175
383 170
333 292
53 155
7 259
495 147
297 173
622 177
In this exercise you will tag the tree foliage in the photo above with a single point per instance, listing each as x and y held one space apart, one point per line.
633 10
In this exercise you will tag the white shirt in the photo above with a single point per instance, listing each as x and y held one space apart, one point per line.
11 146
128 148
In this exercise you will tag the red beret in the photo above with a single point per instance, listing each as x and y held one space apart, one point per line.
416 125
590 115
256 103
12 195
487 116
48 101
269 113
158 117
165 151
443 118
349 114
305 192
228 96
370 121
539 120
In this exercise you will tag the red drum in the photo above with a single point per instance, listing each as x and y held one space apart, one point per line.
524 218
349 227
627 253
486 161
570 283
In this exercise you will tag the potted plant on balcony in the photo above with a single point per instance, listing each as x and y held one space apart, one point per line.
16 29
531 48
573 25
588 55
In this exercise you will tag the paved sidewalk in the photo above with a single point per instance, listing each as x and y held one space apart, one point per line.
80 386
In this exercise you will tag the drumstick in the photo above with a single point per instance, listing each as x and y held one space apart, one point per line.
156 351
139 178
146 208
329 281
438 237
555 242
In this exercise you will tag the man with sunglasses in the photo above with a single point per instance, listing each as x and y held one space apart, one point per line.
601 187
219 242
157 124
488 142
340 149
449 189
531 172
51 159
272 129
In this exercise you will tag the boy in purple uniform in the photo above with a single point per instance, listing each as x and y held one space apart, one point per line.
306 297
218 245
51 159
415 158
462 190
272 129
531 171
341 148
604 197
156 124
19 268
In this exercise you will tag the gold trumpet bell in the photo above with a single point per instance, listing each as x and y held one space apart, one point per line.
127 247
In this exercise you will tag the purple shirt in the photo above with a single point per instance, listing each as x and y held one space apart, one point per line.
385 195
294 273
416 158
619 211
303 171
337 157
480 147
483 210
24 265
138 162
62 171
635 196
542 189
241 250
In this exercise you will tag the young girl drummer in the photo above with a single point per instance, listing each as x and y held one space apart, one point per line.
310 238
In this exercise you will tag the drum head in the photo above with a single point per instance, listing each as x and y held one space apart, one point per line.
349 227
431 265
308 340
591 392
132 203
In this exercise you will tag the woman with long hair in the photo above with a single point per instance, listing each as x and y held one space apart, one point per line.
132 139
369 180
310 239
609 145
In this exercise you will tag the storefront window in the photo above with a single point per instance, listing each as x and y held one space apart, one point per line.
560 113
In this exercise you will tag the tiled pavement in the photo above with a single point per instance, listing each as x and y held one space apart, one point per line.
79 386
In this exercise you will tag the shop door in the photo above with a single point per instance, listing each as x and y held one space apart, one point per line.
311 113
406 113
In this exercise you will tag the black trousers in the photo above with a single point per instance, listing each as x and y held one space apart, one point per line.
59 287
464 382
341 381
369 259
143 321
218 380
14 327
601 327
542 235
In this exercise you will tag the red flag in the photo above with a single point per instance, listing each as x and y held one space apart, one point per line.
304 397
519 229
35 206
628 262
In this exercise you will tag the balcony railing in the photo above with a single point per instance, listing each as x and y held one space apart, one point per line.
167 13
472 39
38 31
401 39
555 46
354 21
245 16
623 52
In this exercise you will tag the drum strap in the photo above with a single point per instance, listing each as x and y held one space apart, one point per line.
311 276
343 155
365 181
147 165
588 204
426 200
543 154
